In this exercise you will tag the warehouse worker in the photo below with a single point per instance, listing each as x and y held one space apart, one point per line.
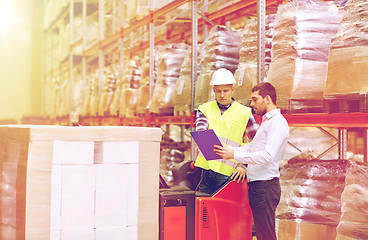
263 155
232 122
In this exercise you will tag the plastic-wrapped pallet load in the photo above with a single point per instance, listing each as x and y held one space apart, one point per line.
91 101
86 183
310 205
64 96
129 91
221 51
348 59
311 191
108 92
183 87
169 64
246 74
78 93
54 96
137 9
144 85
354 219
300 47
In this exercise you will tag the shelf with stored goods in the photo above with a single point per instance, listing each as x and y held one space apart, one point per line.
336 120
346 124
147 121
63 31
157 28
118 43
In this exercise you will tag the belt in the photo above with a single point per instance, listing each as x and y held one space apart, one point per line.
275 179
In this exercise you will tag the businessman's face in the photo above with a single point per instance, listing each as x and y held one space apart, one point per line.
258 103
224 93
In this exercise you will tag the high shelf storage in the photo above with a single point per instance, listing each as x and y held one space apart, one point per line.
83 36
68 59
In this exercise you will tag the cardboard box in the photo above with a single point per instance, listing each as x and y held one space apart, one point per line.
347 71
63 182
293 230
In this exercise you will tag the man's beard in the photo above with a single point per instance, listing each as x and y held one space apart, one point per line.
260 112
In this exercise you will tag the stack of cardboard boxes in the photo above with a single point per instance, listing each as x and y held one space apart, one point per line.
79 182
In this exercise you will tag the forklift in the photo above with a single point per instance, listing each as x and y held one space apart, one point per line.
185 214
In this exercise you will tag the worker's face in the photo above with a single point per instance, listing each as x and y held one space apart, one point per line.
258 103
224 93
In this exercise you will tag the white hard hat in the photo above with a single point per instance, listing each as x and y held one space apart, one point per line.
222 76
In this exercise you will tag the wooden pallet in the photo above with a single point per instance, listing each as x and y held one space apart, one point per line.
182 112
163 112
290 106
141 112
354 102
136 114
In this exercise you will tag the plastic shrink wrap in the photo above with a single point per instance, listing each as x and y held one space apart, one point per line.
348 59
311 191
300 47
91 101
354 219
144 85
53 97
108 91
63 91
221 51
183 87
246 74
129 88
172 154
94 103
78 93
137 9
169 65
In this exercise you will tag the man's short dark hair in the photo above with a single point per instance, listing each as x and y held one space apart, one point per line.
266 88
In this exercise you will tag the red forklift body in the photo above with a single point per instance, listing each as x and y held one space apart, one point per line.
224 216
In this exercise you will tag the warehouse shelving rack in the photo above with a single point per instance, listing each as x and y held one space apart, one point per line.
194 26
229 13
340 121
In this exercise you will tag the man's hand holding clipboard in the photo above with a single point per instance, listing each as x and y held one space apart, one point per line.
211 148
224 152
206 140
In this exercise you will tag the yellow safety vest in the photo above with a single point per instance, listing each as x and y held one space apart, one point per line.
229 127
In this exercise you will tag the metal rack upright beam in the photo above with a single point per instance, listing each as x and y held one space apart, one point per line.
84 44
101 56
71 63
151 48
261 15
365 147
194 63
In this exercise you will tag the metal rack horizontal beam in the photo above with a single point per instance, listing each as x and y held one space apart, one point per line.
236 10
64 12
250 5
138 121
139 23
334 120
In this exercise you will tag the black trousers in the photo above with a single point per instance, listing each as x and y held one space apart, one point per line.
264 196
211 181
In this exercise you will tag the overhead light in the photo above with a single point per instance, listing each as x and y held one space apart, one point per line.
5 15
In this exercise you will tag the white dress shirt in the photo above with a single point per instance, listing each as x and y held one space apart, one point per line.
263 154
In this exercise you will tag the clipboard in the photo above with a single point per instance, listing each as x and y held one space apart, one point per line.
206 140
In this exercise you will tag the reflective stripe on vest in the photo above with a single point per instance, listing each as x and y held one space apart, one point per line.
229 127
